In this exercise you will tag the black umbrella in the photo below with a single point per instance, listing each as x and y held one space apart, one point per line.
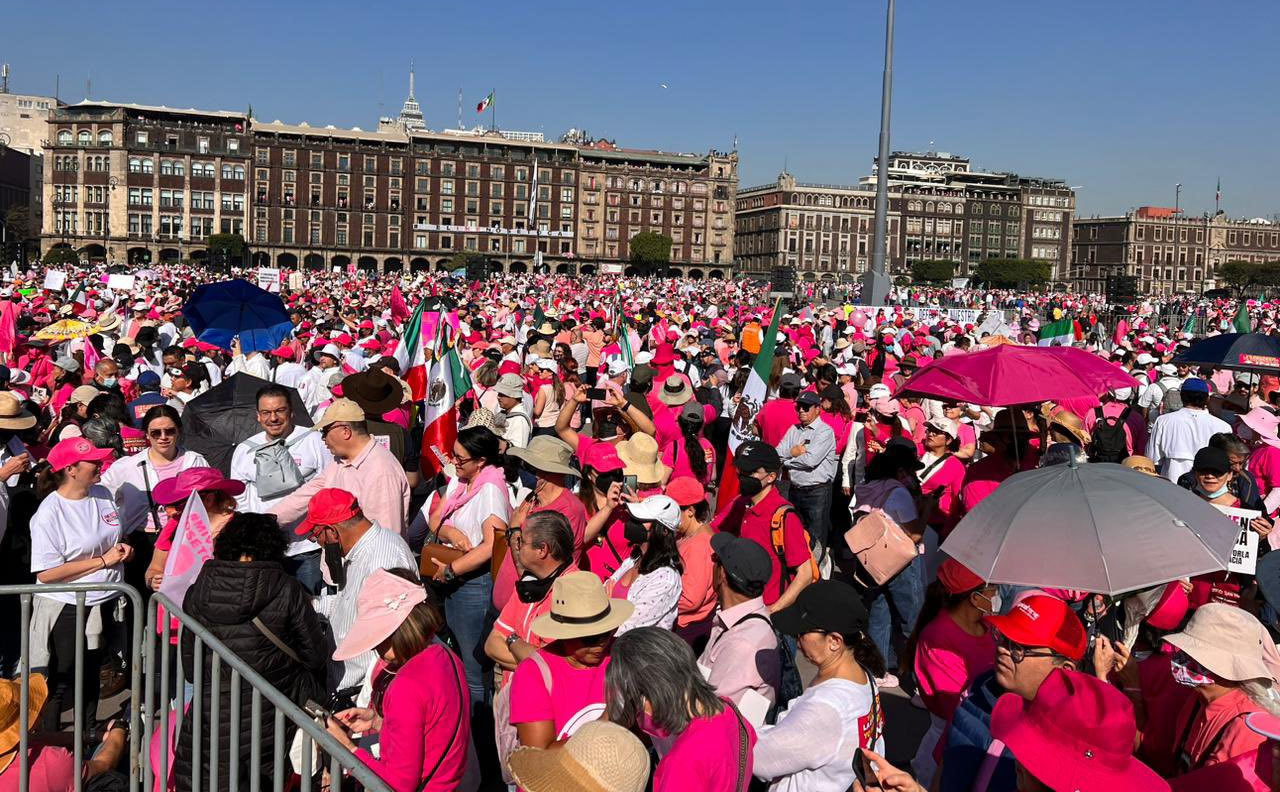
217 420
1238 351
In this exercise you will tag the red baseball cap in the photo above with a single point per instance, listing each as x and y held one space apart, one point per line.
283 351
686 491
328 506
76 449
957 578
1041 620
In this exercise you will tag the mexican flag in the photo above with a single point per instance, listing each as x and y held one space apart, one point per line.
447 382
1063 332
411 355
624 339
754 394
484 103
1242 322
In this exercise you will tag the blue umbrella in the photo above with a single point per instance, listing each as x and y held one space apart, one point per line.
1238 351
218 312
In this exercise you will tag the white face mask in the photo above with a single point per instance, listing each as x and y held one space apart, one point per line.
995 600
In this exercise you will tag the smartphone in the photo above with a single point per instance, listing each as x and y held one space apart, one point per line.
630 483
317 711
864 772
595 394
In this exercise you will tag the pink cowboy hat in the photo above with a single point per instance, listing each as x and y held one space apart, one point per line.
194 479
382 606
1264 423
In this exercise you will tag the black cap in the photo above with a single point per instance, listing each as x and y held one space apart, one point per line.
825 606
808 399
790 379
1211 460
902 452
753 455
833 392
745 562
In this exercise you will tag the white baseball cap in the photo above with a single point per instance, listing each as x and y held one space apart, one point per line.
1145 360
616 366
879 391
657 508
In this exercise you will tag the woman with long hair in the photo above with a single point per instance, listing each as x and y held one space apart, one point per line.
419 708
548 398
813 744
472 510
653 684
691 453
650 578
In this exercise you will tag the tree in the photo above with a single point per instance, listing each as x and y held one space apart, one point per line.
233 244
464 258
933 271
651 251
1243 276
1012 273
56 256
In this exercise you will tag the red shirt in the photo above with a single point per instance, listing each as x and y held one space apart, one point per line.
567 504
755 522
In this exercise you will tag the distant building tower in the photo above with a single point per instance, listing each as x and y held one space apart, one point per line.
411 113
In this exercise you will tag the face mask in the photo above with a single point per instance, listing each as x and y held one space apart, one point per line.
1186 675
109 382
333 561
1218 493
749 485
646 724
531 589
635 532
606 480
995 600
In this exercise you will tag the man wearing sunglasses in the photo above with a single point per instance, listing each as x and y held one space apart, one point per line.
1037 635
808 453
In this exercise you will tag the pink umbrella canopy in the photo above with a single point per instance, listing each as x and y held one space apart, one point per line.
1007 374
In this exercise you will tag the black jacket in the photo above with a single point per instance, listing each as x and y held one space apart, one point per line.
225 598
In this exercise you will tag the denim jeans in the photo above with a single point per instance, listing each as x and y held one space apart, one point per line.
465 606
813 505
306 568
898 603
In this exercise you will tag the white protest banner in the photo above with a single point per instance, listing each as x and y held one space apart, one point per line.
118 282
269 278
1244 555
54 280
192 546
295 281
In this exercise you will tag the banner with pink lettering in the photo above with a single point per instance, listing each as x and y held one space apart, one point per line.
192 546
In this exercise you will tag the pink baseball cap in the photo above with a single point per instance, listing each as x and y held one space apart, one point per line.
194 479
76 449
382 605
603 458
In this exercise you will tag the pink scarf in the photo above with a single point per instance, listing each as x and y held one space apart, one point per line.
489 474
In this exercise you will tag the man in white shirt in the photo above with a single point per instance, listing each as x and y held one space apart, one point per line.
510 389
314 385
1178 435
1152 396
309 454
287 372
354 546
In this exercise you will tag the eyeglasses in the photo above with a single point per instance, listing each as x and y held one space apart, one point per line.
171 431
457 460
325 431
1018 652
282 412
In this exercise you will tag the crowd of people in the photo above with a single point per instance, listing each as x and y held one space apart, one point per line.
617 576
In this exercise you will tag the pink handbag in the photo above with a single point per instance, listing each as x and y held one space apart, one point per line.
881 546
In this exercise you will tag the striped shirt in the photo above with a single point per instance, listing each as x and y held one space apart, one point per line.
379 548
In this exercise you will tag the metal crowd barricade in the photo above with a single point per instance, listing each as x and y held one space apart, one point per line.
25 593
205 731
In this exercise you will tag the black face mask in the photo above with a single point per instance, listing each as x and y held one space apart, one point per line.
606 480
333 560
749 485
531 589
634 532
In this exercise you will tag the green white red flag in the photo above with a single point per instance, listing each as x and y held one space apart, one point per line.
411 355
447 382
743 419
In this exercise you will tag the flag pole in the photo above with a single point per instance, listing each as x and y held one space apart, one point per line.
493 111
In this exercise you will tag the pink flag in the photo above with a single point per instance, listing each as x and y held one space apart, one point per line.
399 308
192 546
1122 330
91 356
8 329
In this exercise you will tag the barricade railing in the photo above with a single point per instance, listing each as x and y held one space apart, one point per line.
206 727
25 593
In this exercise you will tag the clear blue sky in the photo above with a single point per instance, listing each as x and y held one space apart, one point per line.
1124 98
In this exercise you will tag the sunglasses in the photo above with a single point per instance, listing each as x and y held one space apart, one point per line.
1018 652
170 432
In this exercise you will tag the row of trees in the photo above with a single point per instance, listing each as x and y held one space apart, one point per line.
995 273
1248 276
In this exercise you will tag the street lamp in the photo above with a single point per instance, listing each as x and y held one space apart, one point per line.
106 222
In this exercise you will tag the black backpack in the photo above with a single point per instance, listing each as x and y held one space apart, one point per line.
790 685
1108 437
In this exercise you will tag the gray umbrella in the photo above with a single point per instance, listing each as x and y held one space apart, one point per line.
1098 527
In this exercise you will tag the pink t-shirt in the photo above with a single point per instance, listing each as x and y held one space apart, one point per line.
568 505
1264 464
707 750
697 597
774 419
949 475
605 555
52 769
947 660
1135 428
675 457
840 427
576 696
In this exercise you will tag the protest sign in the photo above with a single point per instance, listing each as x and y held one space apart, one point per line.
295 281
1244 554
118 282
269 278
192 546
54 280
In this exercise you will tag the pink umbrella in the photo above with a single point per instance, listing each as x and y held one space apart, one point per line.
1007 374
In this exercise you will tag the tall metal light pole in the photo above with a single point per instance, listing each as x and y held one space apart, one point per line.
875 285
1177 198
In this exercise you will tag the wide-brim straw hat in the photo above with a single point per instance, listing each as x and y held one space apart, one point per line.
641 459
547 454
599 757
10 708
12 414
580 607
675 391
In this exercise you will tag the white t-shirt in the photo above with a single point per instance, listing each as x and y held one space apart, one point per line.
811 748
65 530
309 453
490 501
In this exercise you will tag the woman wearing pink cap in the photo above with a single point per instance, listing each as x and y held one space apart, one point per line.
419 708
217 494
75 538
